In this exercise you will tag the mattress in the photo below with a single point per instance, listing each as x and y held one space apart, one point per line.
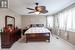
37 30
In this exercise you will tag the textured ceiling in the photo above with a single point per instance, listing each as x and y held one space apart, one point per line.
53 6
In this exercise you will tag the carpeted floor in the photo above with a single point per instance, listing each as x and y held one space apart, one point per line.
55 44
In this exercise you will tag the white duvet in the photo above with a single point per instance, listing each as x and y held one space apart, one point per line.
37 30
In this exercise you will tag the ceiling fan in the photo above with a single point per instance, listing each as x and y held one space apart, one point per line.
38 9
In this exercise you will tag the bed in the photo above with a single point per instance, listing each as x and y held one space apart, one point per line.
37 33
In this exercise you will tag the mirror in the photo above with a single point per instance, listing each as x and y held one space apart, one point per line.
9 21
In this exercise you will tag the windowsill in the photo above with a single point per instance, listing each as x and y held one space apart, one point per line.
71 30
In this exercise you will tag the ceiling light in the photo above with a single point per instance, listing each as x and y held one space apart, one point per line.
37 12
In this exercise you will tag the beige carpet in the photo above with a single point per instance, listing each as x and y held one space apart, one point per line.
55 44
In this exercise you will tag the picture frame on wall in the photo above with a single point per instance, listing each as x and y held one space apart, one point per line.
3 3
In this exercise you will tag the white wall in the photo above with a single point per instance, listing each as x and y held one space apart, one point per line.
4 12
33 19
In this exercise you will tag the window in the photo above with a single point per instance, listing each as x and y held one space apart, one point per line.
50 21
66 19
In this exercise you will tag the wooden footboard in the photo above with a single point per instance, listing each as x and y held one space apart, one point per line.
37 37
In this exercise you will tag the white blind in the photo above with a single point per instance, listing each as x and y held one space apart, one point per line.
50 21
66 19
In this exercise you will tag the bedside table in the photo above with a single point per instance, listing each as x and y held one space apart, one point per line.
24 30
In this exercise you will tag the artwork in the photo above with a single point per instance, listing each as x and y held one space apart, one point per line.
3 3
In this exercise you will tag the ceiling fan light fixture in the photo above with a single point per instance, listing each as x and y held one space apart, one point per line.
37 12
38 9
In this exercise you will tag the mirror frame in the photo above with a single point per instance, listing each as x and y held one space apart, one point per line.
7 20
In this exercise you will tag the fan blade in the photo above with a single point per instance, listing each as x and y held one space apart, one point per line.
31 12
30 8
45 11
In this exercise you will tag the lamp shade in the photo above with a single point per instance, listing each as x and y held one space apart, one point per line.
37 12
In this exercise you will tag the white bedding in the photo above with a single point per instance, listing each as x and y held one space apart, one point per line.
37 30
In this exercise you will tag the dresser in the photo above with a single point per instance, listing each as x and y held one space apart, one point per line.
9 38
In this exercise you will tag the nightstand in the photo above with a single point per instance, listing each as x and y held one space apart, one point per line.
24 30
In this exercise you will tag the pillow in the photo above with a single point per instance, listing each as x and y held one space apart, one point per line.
40 25
34 25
